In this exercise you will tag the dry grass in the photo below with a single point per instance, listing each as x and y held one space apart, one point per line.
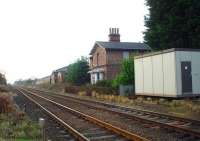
13 122
113 98
3 88
6 103
82 93
182 108
185 105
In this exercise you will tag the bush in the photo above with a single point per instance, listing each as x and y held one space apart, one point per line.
5 104
77 72
72 89
104 83
89 89
4 88
126 75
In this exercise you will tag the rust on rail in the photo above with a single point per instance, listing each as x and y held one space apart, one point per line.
165 125
126 134
75 133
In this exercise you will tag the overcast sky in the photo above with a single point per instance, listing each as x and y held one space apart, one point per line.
39 36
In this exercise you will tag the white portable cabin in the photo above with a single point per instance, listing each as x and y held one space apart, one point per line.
168 73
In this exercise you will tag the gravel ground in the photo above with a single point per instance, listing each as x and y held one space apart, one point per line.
53 131
143 105
80 124
145 130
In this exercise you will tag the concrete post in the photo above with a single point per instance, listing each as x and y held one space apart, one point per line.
42 125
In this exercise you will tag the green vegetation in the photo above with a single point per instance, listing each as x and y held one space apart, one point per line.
17 126
181 108
77 73
89 89
126 75
104 83
3 88
13 123
173 24
23 140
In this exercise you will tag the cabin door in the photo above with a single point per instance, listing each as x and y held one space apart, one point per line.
186 77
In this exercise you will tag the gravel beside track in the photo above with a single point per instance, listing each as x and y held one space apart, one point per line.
150 131
53 130
80 122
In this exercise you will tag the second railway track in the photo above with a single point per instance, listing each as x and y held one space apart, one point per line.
82 126
186 128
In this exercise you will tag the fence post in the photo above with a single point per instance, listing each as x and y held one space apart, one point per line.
42 125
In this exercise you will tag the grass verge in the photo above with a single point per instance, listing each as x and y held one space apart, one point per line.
14 124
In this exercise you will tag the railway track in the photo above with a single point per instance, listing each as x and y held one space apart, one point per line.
82 126
187 127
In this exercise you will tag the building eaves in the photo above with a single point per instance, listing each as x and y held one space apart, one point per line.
165 51
121 46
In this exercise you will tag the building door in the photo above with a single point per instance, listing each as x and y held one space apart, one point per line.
186 77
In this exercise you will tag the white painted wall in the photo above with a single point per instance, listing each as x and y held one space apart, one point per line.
169 75
194 57
196 72
158 85
161 74
148 75
155 75
139 84
92 78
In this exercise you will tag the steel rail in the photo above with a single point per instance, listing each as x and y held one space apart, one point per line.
129 115
67 127
119 131
122 107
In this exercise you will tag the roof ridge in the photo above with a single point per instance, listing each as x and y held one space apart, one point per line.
121 46
120 42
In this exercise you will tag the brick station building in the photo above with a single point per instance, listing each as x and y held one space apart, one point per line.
106 57
58 76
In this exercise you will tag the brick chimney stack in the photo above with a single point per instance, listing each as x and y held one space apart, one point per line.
114 35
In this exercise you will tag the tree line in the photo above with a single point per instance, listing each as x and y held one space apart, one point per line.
26 82
77 72
172 24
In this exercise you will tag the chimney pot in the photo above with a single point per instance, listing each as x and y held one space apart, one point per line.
114 35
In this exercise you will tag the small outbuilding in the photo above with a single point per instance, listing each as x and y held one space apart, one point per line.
168 73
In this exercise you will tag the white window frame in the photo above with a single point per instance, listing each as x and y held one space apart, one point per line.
126 54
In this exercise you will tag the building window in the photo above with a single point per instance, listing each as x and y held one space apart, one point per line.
125 55
91 61
101 76
98 77
97 59
92 78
